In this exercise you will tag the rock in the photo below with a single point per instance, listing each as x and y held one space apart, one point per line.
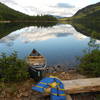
23 89
2 98
63 73
17 99
19 95
26 94
8 95
2 94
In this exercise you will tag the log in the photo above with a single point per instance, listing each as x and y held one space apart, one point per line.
82 85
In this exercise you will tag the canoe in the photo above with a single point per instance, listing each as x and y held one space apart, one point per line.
36 60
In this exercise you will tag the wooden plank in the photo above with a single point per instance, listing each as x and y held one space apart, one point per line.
82 85
35 57
36 61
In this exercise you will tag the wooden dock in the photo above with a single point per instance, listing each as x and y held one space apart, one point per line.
81 86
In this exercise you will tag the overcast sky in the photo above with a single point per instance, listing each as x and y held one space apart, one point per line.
53 7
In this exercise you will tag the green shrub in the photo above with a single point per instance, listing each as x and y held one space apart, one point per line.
90 64
12 69
97 97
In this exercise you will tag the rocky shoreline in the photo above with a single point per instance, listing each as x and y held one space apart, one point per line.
64 73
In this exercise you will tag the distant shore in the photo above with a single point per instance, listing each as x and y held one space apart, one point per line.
5 21
26 21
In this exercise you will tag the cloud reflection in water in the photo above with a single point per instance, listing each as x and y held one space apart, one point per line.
33 34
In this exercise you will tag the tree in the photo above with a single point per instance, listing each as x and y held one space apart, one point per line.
13 69
90 62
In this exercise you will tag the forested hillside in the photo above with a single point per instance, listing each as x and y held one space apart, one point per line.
8 14
91 12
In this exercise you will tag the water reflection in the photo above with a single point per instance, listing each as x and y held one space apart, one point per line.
90 29
60 44
34 34
6 28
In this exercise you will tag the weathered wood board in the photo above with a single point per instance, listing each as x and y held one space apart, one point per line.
82 85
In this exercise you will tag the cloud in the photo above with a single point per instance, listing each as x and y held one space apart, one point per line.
30 10
64 8
8 2
65 5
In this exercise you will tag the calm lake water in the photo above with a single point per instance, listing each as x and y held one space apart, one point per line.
60 44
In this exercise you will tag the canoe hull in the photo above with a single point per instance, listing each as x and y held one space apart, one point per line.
36 60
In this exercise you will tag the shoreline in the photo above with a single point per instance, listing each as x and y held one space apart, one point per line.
27 21
5 21
64 73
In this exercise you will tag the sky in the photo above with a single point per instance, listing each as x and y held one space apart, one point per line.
64 8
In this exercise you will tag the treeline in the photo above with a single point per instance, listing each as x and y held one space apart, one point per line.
8 14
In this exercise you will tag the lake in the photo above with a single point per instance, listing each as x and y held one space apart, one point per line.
59 43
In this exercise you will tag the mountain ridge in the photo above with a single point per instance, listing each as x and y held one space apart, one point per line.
89 13
85 9
9 14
